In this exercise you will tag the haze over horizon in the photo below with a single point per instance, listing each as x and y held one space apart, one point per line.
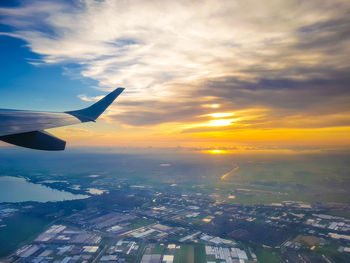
221 75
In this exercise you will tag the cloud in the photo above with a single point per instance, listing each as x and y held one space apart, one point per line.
289 58
83 97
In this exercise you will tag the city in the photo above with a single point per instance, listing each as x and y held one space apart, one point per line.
138 223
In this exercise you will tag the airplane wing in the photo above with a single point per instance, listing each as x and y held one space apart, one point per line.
26 128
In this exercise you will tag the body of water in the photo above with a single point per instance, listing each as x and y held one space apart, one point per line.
16 189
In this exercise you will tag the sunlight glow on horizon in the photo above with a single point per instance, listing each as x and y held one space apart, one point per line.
221 114
216 151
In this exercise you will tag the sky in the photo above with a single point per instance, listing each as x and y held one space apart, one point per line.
212 75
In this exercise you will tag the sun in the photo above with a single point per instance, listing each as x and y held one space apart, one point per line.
221 122
216 151
220 114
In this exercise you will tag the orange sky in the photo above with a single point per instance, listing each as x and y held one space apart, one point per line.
208 74
216 137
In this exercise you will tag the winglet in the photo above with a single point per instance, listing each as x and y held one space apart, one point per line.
95 110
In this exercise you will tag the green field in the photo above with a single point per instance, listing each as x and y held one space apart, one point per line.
20 229
311 179
140 223
190 254
265 255
158 249
332 252
182 255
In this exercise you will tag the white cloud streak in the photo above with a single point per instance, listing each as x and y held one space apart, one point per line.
83 97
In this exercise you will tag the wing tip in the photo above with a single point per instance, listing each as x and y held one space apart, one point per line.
92 112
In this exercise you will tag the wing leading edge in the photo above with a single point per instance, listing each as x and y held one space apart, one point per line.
26 128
